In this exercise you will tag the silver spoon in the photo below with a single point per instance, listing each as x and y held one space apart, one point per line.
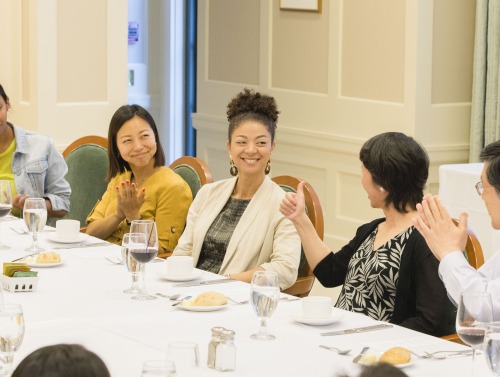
181 300
171 297
339 351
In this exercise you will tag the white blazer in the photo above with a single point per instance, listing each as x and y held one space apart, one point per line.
263 236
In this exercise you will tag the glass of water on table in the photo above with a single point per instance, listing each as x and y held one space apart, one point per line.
35 217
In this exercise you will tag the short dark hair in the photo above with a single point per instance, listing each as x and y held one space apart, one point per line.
251 105
398 164
491 155
3 94
122 115
62 360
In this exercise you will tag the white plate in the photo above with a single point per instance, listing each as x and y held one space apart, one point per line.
195 275
192 308
44 265
318 321
81 238
401 366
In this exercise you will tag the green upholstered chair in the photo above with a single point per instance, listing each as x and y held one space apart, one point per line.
305 278
194 171
87 160
474 254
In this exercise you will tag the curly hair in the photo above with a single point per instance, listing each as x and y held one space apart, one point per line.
491 155
398 164
251 105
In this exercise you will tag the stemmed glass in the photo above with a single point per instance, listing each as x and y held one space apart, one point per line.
5 205
474 313
264 296
158 368
11 335
146 255
136 269
492 347
35 217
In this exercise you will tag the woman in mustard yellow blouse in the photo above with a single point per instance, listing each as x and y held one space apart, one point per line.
140 186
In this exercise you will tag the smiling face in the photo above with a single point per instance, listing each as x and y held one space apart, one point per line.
136 143
376 196
250 148
491 199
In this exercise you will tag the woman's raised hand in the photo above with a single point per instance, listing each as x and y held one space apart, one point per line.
293 204
130 199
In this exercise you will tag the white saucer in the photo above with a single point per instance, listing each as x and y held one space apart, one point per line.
81 238
192 308
195 275
318 321
44 265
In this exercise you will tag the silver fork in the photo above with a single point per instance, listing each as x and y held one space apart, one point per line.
237 302
446 354
114 261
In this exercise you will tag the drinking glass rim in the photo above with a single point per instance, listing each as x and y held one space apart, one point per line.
494 324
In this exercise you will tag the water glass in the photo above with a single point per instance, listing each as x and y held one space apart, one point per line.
158 368
264 296
11 335
5 204
136 269
186 358
492 347
35 217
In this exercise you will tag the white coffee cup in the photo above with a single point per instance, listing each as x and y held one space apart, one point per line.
179 266
316 307
67 230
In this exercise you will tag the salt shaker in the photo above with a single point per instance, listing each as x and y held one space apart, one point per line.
225 354
212 346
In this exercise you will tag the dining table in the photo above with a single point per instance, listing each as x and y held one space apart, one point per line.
81 301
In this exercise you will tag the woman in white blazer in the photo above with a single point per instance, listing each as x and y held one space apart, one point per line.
234 226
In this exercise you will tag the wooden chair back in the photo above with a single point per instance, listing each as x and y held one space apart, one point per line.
305 279
474 254
194 171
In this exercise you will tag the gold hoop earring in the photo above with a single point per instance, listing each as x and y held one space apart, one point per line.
267 169
233 169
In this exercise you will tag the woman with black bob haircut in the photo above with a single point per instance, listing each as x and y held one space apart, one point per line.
140 186
387 271
62 360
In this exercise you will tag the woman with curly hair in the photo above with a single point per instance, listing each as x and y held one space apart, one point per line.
234 226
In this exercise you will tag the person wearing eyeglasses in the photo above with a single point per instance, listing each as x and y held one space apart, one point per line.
447 241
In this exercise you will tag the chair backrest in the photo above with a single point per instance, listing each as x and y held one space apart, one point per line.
194 171
305 278
474 254
87 160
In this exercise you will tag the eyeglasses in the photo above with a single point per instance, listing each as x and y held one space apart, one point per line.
480 187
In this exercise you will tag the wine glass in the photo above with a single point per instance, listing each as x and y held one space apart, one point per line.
5 204
35 217
146 255
136 269
492 347
473 315
185 355
11 335
157 368
264 296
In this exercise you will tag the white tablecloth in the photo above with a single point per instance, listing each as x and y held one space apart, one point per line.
458 193
81 301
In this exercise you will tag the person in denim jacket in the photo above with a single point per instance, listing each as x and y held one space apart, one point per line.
33 166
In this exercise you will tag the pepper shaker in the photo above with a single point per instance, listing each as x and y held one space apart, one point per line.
212 345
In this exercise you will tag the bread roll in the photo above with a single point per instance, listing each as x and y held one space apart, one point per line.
48 257
210 299
396 355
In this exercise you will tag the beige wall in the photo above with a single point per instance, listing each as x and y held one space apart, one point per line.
356 69
64 64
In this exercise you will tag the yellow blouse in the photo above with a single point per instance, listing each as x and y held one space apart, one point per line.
168 198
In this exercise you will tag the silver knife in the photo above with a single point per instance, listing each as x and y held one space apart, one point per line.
357 329
79 245
206 282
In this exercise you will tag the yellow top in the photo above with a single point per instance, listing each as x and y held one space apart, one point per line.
6 172
168 198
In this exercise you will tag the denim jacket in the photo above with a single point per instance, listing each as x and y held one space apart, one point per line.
39 169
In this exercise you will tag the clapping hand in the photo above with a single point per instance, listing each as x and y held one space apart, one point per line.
18 201
130 200
438 229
